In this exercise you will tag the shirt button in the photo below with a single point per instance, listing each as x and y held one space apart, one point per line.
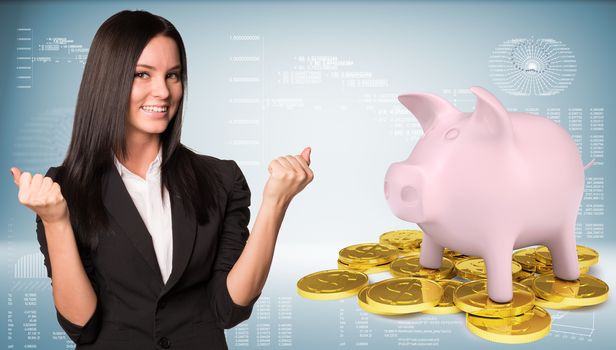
164 343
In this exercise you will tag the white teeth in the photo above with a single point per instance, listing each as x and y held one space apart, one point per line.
154 109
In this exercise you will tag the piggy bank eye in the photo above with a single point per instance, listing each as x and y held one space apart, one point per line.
452 133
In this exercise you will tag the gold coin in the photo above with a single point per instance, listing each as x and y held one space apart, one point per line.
475 268
402 239
410 267
526 258
522 275
408 252
331 284
364 268
446 305
495 322
457 259
543 269
586 290
452 253
533 325
472 297
362 300
403 295
542 302
586 256
528 282
368 253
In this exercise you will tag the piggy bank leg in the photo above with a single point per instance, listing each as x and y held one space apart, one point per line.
498 268
431 255
564 256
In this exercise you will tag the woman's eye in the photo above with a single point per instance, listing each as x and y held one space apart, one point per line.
173 75
141 74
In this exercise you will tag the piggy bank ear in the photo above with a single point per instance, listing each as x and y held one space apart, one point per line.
427 108
490 115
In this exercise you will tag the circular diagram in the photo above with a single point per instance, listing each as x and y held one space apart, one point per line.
540 67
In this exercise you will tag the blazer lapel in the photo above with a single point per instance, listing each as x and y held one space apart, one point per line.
120 205
184 226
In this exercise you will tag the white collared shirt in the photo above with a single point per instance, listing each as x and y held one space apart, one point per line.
154 210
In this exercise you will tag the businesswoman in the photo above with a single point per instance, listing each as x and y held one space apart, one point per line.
145 241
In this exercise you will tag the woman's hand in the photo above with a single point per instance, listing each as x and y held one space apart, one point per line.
288 176
42 195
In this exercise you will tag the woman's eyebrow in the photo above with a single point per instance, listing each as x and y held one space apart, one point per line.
152 68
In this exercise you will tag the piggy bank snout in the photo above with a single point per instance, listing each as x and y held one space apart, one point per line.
403 191
408 193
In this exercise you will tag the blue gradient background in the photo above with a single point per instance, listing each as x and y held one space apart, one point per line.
415 46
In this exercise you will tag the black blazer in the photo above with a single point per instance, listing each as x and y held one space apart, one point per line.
135 309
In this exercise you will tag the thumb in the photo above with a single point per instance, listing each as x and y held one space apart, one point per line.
306 154
16 175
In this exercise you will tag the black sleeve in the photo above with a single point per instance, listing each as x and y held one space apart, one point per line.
231 243
79 334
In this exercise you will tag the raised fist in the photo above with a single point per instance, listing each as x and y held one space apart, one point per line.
42 195
288 176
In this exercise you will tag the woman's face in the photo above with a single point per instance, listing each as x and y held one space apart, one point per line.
157 88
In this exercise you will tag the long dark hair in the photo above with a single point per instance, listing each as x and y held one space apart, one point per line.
100 121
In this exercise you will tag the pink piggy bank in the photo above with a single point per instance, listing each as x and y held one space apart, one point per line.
488 182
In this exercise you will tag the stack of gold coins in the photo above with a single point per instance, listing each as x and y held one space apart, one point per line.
367 257
516 322
400 295
475 269
454 255
526 258
586 258
409 266
555 293
407 241
418 289
539 260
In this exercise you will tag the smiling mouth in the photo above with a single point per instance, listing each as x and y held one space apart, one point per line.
155 109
